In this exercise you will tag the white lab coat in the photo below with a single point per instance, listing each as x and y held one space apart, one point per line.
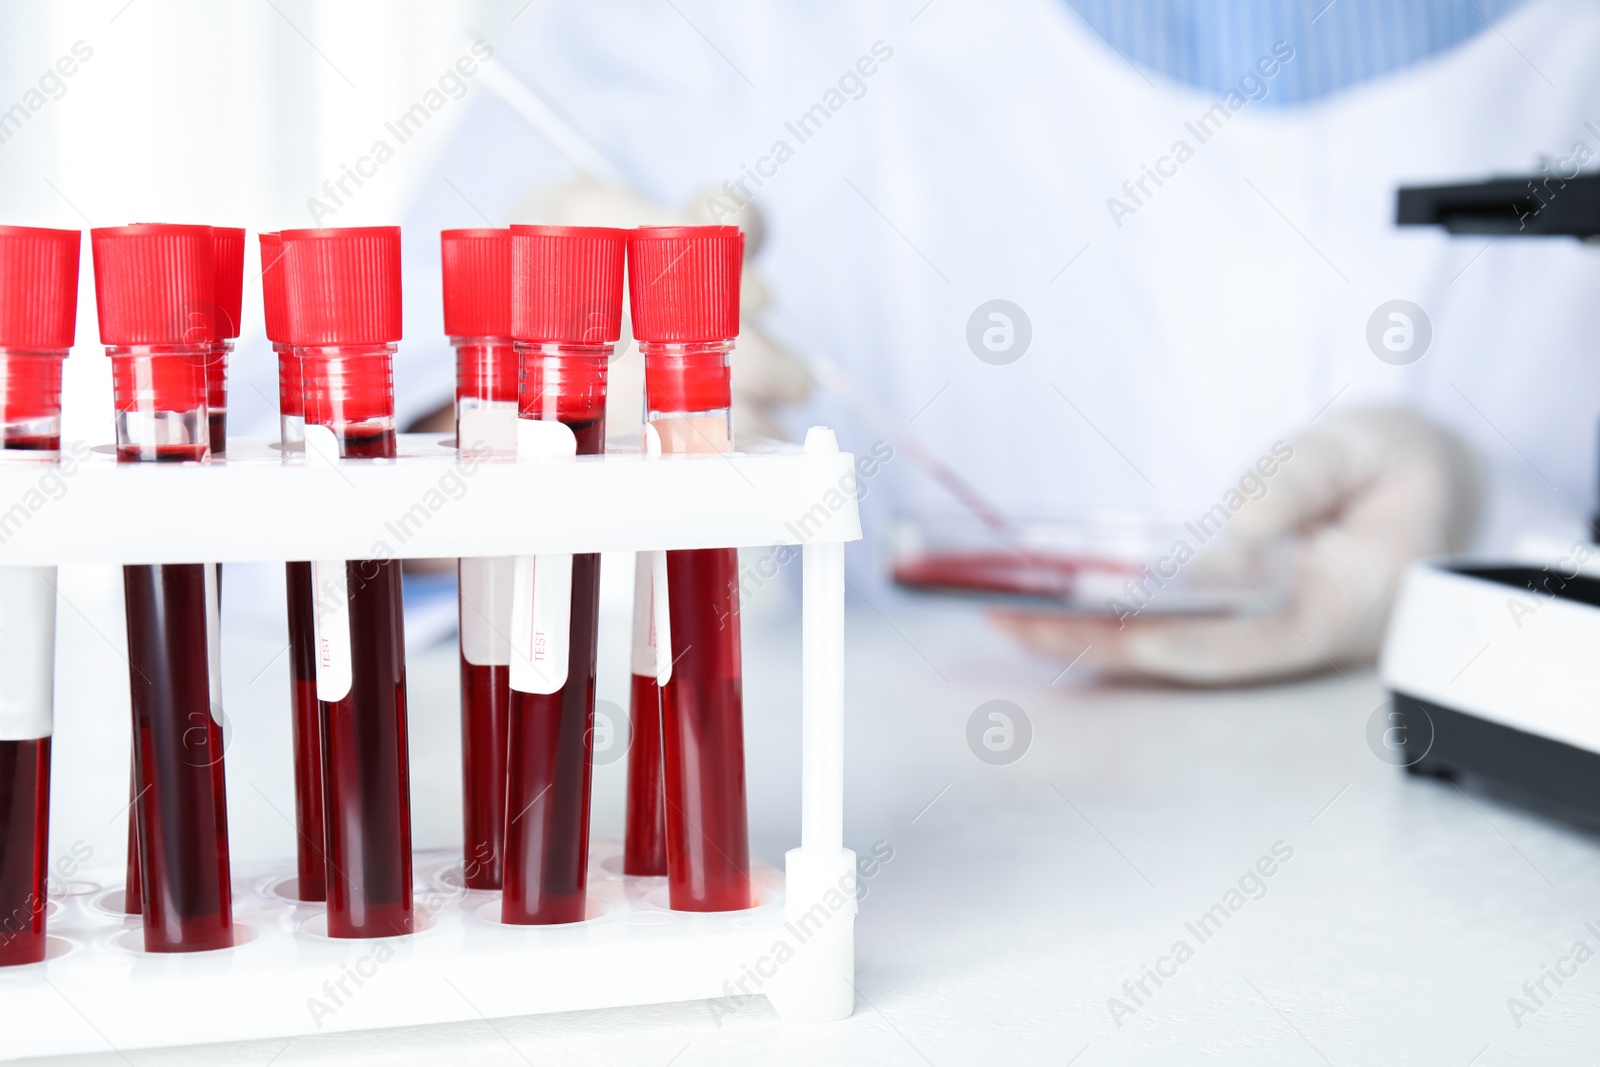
1225 312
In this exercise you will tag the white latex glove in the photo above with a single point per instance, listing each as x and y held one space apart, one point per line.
765 376
1364 494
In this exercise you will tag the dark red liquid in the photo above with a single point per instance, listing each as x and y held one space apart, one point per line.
547 792
702 734
367 444
549 762
218 431
162 454
24 834
366 777
182 805
1035 574
32 442
132 891
307 730
644 849
365 773
133 884
485 710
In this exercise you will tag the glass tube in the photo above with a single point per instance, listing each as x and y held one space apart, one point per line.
366 790
30 431
644 840
702 704
133 885
306 716
486 384
181 801
217 395
549 756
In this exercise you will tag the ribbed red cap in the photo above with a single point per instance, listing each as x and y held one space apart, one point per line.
477 282
38 287
272 289
227 247
683 283
342 286
155 284
566 284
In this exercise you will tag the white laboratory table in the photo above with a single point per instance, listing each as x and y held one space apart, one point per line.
1020 897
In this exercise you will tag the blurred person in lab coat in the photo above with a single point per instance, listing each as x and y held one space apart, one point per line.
1187 206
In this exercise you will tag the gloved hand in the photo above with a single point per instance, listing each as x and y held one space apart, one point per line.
765 375
1363 495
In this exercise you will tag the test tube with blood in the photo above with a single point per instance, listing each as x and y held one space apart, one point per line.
566 318
477 318
683 287
305 717
644 839
155 289
343 315
38 310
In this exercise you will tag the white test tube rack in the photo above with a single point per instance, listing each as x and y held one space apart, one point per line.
99 990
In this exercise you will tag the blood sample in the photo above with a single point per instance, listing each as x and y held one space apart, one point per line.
566 317
24 834
132 891
38 306
306 717
228 256
683 286
1035 574
155 290
343 314
477 317
644 840
228 250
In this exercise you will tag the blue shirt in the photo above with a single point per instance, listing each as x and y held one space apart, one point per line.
1210 44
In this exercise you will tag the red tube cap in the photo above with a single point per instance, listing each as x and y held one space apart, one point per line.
342 286
477 282
683 283
566 284
155 284
227 245
272 288
38 287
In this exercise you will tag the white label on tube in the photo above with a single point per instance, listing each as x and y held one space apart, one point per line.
486 593
541 606
541 614
491 428
322 447
214 639
334 673
486 583
661 619
541 439
27 651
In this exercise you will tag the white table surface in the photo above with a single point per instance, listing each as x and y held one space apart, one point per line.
1020 897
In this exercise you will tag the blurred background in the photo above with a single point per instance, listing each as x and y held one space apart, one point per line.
1171 343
